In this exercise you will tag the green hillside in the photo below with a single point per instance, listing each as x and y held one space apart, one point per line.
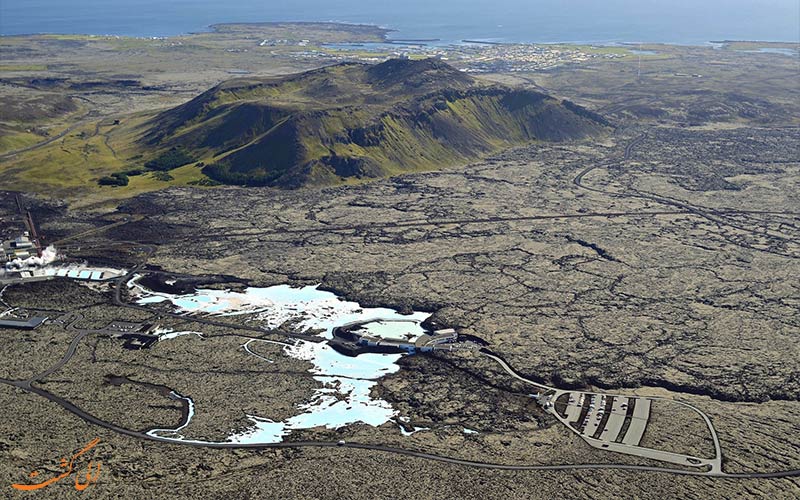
357 120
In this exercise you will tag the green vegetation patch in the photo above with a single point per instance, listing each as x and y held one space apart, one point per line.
23 67
174 158
162 176
11 139
115 179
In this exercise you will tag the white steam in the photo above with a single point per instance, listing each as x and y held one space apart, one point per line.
49 255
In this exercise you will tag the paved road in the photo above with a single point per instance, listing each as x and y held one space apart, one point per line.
578 180
81 121
67 405
513 373
715 463
73 346
28 386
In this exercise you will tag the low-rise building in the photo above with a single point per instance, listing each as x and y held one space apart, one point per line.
22 323
20 247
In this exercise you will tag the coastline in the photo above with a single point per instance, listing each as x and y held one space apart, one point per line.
384 33
218 28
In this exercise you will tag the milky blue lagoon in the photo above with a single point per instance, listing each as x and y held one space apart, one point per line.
346 382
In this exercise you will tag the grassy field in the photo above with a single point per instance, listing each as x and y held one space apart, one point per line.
13 140
81 79
23 67
746 45
70 167
102 196
64 166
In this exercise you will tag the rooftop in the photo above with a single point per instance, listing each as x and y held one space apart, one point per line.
27 323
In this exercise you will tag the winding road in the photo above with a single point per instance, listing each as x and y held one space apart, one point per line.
83 120
715 464
30 385
578 180
27 386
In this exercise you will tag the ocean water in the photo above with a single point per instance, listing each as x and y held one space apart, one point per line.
597 21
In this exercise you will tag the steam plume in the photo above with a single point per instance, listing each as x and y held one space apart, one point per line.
49 255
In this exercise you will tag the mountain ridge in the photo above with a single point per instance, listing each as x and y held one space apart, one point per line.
353 120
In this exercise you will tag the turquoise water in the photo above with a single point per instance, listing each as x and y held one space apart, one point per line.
346 382
675 21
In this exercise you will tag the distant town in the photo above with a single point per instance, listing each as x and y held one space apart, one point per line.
470 55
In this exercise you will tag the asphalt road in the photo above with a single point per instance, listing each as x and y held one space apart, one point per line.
28 385
73 346
72 408
578 180
81 121
715 463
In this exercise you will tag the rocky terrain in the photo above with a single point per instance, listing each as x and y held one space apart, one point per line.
629 284
660 259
